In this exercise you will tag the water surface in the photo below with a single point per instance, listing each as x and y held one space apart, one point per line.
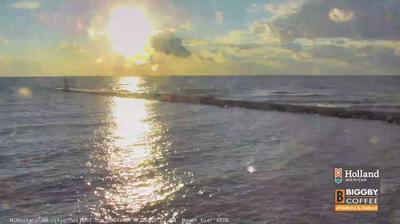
73 155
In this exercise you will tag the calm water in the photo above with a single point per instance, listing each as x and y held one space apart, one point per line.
77 155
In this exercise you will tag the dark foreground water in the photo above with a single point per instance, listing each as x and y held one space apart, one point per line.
70 155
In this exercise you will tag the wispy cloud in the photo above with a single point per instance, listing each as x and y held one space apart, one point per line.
340 16
29 5
3 41
73 48
186 26
219 17
16 66
281 9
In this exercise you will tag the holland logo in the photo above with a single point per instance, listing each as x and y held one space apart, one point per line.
338 175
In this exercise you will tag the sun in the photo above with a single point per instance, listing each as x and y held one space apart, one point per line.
129 31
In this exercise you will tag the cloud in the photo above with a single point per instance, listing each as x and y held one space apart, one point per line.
73 48
366 19
196 42
334 52
169 44
349 43
186 26
259 32
369 57
219 17
384 58
340 16
313 37
237 37
3 41
265 31
212 56
29 5
15 66
279 9
254 8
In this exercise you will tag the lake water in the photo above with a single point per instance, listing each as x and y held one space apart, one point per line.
70 155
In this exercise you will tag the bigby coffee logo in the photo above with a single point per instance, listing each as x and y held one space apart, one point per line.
356 189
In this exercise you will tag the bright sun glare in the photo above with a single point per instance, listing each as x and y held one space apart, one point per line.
129 31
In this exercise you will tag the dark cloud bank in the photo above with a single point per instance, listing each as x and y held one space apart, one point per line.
170 45
358 19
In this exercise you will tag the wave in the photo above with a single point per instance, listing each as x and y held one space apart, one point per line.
340 112
284 93
261 92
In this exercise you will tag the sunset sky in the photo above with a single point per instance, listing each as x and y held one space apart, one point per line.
192 37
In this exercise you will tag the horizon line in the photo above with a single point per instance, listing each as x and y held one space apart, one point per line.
199 75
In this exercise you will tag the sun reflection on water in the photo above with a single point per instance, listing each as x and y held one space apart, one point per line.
130 161
130 84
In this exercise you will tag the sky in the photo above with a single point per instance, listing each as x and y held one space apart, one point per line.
207 37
